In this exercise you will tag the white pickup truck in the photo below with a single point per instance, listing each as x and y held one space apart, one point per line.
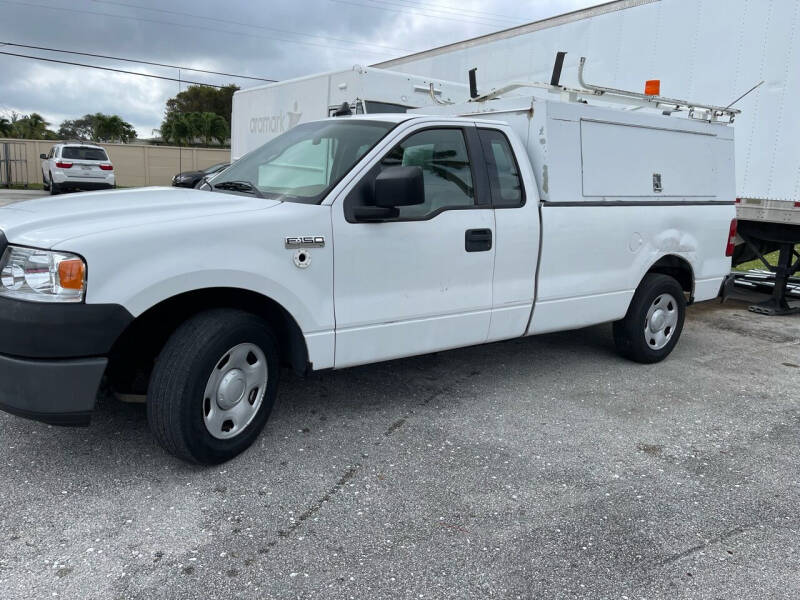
359 239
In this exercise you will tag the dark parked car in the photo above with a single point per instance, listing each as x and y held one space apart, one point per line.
191 178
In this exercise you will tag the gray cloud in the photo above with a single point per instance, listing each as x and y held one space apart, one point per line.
258 38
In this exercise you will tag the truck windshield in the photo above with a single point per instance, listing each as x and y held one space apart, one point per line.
304 163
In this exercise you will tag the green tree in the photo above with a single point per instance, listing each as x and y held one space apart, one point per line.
202 98
210 126
188 117
111 128
77 129
31 127
193 127
98 128
6 129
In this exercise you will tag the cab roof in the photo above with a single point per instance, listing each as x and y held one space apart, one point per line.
403 117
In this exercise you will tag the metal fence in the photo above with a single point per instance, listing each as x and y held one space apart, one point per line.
13 164
135 165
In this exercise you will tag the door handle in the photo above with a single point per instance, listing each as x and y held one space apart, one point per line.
478 240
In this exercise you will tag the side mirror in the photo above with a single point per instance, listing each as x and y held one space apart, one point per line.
399 186
43 156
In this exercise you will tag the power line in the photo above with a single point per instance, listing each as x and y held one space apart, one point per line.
144 62
471 21
240 24
450 7
214 30
449 10
77 64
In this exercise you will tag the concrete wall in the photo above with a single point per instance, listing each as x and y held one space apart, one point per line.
134 164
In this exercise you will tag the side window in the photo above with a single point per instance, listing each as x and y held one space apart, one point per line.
504 177
442 155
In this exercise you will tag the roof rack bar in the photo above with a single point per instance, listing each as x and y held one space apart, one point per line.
657 100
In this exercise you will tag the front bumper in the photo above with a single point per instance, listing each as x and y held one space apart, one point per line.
52 356
59 392
86 185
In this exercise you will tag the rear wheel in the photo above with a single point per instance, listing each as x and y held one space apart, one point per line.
654 321
53 187
213 386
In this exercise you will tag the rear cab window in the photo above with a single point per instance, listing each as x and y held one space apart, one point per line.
83 153
504 177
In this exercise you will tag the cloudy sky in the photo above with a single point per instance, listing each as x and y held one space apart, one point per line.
260 38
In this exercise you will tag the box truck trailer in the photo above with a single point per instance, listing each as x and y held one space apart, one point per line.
264 112
716 50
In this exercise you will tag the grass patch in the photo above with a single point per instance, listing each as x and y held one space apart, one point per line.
30 186
772 258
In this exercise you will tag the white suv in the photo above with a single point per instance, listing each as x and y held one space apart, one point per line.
76 166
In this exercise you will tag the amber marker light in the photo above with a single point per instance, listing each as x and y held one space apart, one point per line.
652 87
71 274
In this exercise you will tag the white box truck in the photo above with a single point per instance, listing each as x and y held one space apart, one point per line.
360 239
263 112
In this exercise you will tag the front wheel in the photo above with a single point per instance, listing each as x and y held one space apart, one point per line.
213 386
654 321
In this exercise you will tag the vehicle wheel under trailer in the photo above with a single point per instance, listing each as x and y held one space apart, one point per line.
654 321
213 386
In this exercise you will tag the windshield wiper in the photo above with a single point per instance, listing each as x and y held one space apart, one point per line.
238 186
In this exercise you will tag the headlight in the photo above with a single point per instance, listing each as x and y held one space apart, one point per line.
42 275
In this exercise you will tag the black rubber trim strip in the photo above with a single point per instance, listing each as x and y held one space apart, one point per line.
546 203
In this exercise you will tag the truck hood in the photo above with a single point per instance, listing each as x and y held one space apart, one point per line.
46 222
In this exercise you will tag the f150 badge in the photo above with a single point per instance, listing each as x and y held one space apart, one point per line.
309 241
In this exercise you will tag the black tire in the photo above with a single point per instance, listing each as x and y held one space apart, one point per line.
45 185
53 187
629 333
175 397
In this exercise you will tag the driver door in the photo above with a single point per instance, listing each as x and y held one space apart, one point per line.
422 281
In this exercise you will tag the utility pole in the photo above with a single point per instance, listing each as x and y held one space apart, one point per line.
180 162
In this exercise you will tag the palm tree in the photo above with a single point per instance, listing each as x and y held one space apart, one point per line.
211 126
6 128
35 126
110 128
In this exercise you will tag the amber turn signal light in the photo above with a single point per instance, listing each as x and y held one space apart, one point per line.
71 274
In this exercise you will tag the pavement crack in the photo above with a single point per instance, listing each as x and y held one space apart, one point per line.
314 508
700 547
395 426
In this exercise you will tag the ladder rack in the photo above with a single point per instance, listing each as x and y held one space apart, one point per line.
635 100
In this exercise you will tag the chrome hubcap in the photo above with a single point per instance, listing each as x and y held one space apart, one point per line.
234 391
660 322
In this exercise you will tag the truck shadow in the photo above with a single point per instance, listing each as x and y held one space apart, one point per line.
389 383
373 397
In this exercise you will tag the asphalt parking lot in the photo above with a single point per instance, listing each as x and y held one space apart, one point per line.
11 196
538 468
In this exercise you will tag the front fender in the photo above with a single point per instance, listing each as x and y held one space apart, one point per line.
143 266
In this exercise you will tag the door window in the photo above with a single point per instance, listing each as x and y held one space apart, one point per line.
447 174
504 178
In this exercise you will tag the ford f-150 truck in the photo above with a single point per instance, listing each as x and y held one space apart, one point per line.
359 239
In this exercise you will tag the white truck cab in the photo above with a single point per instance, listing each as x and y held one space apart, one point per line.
353 240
